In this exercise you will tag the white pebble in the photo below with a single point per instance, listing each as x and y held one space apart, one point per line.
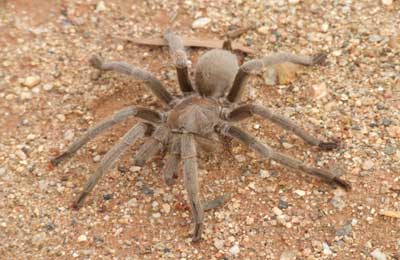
69 135
31 81
300 193
82 238
327 250
101 7
277 211
96 158
166 208
264 174
201 22
378 255
293 2
367 165
387 2
219 244
234 250
324 27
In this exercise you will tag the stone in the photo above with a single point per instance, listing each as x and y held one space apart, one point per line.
166 208
31 81
101 7
39 238
277 211
325 249
96 158
219 243
319 91
69 135
344 230
264 174
294 2
368 165
300 193
387 2
378 255
288 255
375 38
234 250
263 30
82 238
201 22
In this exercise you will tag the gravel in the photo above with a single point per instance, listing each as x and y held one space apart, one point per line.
49 96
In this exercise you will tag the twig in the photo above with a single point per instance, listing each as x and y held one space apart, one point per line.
190 42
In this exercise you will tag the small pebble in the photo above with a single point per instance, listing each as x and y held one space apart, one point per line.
300 193
378 255
375 38
219 244
69 135
82 238
31 81
288 255
108 196
101 7
326 250
367 165
201 22
234 250
96 158
387 2
264 174
277 211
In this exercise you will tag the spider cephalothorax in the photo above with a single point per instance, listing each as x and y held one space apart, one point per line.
205 112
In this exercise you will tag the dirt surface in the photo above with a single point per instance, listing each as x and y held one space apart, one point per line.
49 95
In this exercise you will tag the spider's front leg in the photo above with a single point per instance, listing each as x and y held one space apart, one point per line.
190 171
257 64
149 79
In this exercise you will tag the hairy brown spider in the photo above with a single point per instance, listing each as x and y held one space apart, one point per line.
205 112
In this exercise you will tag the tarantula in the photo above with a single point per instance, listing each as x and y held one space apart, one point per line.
203 113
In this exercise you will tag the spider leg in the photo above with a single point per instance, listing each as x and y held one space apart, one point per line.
249 110
149 115
152 146
179 57
190 171
269 153
257 64
170 168
129 138
149 79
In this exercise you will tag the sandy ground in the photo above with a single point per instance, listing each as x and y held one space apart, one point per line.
49 95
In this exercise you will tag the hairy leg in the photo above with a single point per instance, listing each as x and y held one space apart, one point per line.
149 115
179 57
129 138
149 79
170 169
152 146
190 171
249 110
269 153
257 64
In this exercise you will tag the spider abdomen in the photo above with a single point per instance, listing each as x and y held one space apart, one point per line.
196 115
215 72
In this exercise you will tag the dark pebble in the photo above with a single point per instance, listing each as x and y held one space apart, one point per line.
390 149
108 196
344 230
283 204
148 191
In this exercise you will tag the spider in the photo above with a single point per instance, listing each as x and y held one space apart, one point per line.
202 115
